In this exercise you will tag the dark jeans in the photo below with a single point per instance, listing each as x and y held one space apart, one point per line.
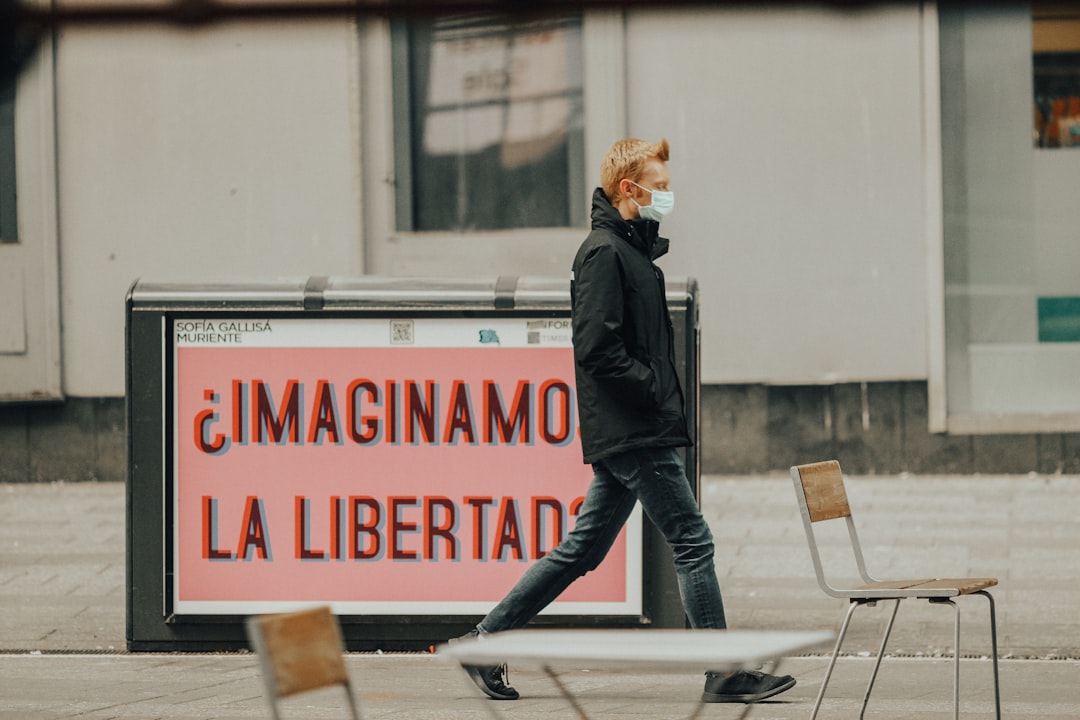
656 478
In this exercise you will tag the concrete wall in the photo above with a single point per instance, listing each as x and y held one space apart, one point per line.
871 428
230 151
798 169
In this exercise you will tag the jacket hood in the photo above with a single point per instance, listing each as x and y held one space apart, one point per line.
641 234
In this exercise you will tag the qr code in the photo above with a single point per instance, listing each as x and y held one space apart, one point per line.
401 332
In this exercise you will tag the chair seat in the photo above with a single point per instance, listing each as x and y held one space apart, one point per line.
931 587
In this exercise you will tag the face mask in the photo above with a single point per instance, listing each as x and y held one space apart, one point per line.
660 207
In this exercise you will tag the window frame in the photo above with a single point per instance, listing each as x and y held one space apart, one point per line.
605 120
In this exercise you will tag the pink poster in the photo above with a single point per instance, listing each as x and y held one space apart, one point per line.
383 467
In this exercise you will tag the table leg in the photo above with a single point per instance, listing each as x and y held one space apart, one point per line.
566 693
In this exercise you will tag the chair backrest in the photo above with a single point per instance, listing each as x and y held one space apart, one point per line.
822 486
298 652
820 490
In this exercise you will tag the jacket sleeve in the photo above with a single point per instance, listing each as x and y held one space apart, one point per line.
599 339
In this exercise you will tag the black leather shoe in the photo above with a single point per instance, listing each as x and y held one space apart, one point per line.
747 686
492 679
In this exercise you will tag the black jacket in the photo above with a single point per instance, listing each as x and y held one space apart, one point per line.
624 355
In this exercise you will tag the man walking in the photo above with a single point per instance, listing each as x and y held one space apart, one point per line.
630 407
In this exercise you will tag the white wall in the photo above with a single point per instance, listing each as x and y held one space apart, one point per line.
798 170
226 152
797 164
799 175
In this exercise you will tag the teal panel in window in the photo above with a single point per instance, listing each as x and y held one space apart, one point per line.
1059 319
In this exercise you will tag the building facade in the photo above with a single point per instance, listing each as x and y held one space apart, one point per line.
878 202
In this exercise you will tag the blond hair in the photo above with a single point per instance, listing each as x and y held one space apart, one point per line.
627 159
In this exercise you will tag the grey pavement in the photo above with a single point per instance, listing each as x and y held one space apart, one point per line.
62 627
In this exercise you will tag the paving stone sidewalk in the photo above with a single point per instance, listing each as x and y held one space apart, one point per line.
62 629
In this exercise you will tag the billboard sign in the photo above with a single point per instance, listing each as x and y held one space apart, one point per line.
384 466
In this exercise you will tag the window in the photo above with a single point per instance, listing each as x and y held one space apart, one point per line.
488 123
1056 62
8 221
1012 294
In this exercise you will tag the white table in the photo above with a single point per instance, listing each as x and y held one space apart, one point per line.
659 650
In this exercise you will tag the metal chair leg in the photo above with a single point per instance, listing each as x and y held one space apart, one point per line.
956 665
956 654
880 655
994 649
832 661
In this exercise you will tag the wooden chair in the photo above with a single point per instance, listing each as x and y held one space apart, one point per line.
820 491
299 652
